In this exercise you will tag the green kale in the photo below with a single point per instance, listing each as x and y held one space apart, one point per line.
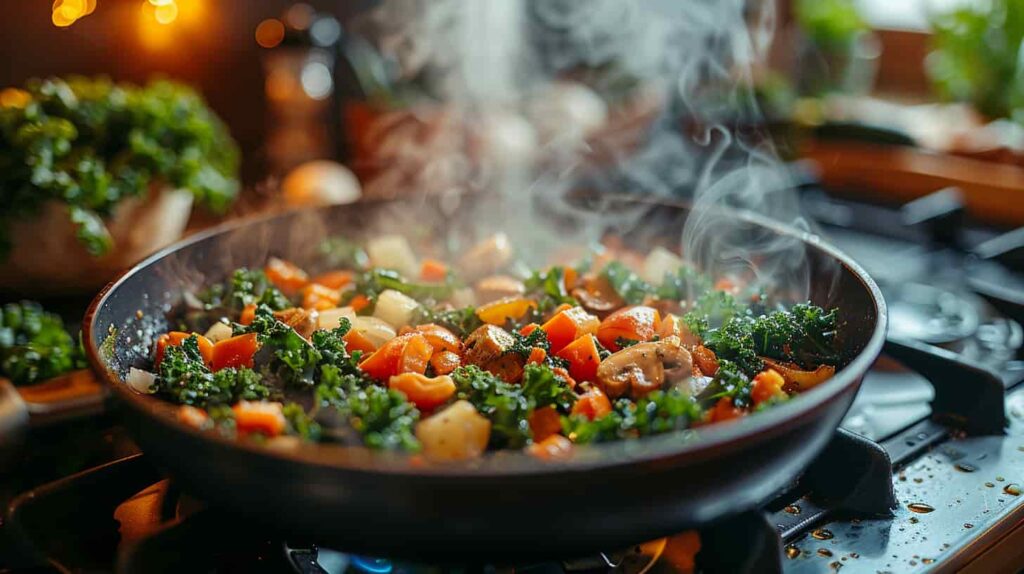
384 419
804 335
373 282
729 382
523 346
733 342
462 322
34 345
331 346
300 423
602 352
548 288
185 379
712 308
339 252
627 284
656 413
90 144
284 354
246 287
508 406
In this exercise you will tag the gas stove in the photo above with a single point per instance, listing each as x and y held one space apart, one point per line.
925 474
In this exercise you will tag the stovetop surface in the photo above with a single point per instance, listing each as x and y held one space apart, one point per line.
958 496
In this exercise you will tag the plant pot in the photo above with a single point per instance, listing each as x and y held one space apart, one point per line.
47 259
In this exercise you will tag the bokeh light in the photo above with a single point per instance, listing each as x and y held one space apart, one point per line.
66 12
14 98
166 13
269 33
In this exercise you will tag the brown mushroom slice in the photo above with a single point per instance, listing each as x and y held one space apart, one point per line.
302 320
598 296
800 378
494 287
643 368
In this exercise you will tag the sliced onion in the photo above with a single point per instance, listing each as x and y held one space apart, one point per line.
802 379
331 318
395 308
218 332
376 330
141 381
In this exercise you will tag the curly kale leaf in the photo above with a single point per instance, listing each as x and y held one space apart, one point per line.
382 418
548 288
543 387
712 308
734 342
246 287
805 335
729 382
284 354
34 345
300 423
90 144
656 413
627 284
375 281
462 322
185 379
523 346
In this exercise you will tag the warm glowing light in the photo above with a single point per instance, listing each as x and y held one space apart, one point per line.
166 13
300 16
66 12
269 33
161 2
153 34
14 98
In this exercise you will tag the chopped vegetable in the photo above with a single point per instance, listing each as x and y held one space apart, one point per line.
259 417
34 345
639 323
407 353
285 275
425 392
504 310
238 351
583 358
568 325
458 432
175 338
627 284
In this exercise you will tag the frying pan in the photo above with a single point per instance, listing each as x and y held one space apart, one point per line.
502 507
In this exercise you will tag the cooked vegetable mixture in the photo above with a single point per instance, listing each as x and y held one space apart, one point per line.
396 352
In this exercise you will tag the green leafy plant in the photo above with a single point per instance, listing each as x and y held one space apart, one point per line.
34 346
91 143
830 24
977 56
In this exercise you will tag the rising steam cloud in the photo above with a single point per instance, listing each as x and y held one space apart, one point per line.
514 81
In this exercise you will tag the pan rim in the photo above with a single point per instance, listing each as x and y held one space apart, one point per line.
673 448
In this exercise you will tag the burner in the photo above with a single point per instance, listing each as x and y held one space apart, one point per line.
930 314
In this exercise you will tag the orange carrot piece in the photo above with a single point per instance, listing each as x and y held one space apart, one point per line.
175 338
265 418
433 270
285 275
335 279
593 404
318 297
568 325
248 314
444 362
425 392
359 302
236 352
639 323
583 358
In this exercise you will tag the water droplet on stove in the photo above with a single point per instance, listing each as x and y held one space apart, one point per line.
914 520
965 467
1020 448
824 552
1000 479
968 525
920 507
1012 488
983 456
927 560
919 480
989 484
836 565
792 509
822 534
792 552
854 555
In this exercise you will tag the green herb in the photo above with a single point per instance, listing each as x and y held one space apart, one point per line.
733 342
90 143
656 413
373 282
462 322
729 382
831 24
548 288
627 284
246 287
384 419
185 379
712 308
300 423
34 345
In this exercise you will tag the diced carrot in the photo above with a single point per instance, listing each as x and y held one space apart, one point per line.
593 404
192 416
175 338
359 302
335 279
545 422
425 392
501 311
568 325
433 270
670 326
569 278
528 328
724 411
286 276
537 356
440 338
553 447
444 362
727 285
237 351
767 385
265 418
248 315
356 341
639 323
560 308
318 297
705 360
583 358
407 353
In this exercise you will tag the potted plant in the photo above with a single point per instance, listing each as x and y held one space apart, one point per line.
94 175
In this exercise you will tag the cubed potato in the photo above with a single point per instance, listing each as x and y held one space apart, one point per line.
456 433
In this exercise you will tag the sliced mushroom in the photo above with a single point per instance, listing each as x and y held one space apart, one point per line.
302 320
643 368
598 296
799 378
494 287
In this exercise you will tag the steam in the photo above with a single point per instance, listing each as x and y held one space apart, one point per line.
516 82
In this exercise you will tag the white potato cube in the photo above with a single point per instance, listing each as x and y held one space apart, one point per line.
218 332
395 308
456 433
377 331
659 262
331 318
393 252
